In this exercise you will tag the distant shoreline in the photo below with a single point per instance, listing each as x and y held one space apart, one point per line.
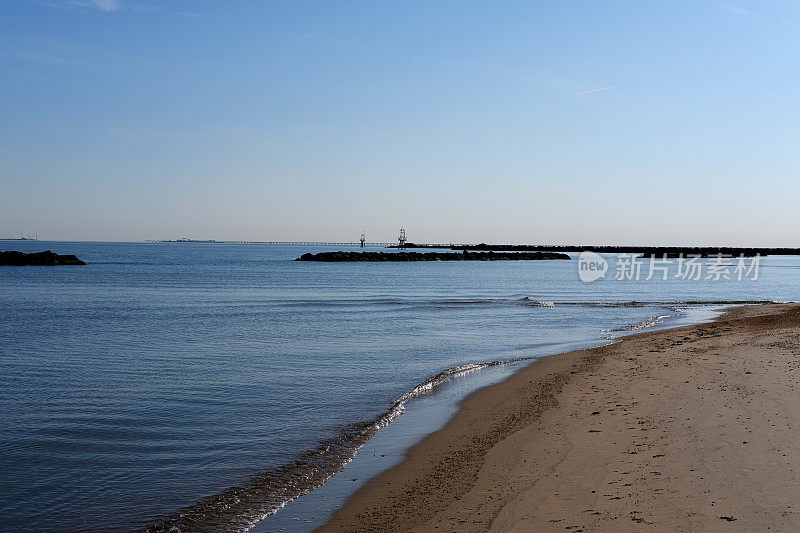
646 250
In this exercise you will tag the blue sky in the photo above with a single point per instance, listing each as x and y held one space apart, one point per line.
658 122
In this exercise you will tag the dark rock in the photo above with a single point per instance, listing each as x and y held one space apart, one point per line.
429 256
46 258
645 251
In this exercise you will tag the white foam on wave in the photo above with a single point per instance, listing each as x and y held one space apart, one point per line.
433 383
648 323
399 406
529 300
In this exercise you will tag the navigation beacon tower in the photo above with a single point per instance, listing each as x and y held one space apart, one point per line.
402 238
363 239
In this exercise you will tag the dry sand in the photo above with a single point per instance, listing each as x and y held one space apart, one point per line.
688 429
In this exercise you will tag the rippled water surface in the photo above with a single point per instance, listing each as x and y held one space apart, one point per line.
222 380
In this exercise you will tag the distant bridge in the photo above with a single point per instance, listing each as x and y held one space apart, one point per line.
307 243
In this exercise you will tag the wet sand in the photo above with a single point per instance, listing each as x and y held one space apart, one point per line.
688 429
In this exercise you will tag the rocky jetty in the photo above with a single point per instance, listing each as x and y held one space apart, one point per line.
430 256
46 258
645 251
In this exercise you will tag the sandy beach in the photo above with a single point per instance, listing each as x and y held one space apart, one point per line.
687 429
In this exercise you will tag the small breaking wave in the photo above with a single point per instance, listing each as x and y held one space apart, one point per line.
440 379
537 301
665 304
240 508
650 322
533 302
528 301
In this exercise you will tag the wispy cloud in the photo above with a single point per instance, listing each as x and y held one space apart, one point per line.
537 76
107 5
597 90
33 56
563 84
739 10
110 6
100 5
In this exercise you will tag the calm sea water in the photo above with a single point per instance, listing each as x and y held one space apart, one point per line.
204 385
